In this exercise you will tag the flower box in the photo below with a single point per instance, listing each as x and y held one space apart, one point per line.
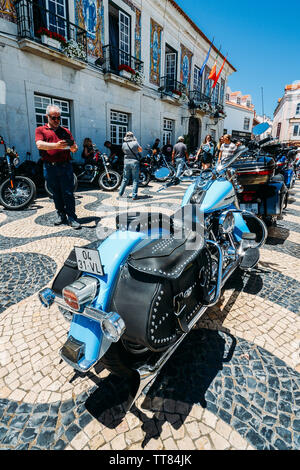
125 74
50 41
177 93
126 71
51 38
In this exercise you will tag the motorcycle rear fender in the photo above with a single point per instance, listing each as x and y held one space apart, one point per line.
240 226
87 332
273 204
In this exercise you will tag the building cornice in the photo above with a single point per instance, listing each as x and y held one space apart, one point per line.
239 106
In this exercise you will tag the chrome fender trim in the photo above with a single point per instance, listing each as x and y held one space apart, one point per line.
263 225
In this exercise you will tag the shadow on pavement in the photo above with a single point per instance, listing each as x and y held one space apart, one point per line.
186 378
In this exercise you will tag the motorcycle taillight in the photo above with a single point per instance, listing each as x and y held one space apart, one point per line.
71 299
248 196
80 292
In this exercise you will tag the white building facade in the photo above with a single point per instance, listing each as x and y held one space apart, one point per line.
286 123
118 65
239 114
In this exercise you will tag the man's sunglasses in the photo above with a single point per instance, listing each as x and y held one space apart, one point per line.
54 118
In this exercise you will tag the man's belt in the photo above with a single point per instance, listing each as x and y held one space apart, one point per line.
57 163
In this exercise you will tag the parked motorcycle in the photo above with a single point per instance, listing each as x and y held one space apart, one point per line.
100 170
16 192
136 296
160 168
34 171
265 193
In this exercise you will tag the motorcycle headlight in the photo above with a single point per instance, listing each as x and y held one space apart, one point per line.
113 327
227 223
80 292
16 162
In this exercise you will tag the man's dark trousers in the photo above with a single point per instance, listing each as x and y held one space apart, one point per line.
60 181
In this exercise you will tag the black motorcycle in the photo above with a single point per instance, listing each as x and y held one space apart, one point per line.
101 170
262 191
16 192
34 171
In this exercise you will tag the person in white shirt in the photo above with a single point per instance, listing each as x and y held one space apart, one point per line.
227 149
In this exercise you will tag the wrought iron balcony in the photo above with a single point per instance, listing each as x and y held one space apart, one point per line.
170 86
115 61
36 23
197 98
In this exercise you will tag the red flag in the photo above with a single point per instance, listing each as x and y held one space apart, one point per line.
213 72
218 76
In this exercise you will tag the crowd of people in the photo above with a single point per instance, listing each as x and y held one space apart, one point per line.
56 144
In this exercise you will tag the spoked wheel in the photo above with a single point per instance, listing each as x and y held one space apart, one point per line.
50 193
110 180
144 178
17 195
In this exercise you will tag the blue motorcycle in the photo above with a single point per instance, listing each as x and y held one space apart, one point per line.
135 296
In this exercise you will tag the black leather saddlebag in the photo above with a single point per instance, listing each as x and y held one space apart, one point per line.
160 290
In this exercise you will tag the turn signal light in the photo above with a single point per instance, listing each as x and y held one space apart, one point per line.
81 292
71 299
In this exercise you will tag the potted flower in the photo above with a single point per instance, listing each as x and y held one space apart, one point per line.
51 38
126 71
74 50
177 93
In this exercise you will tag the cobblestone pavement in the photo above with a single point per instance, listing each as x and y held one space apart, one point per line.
232 384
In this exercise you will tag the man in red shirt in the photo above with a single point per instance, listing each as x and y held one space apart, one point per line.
55 144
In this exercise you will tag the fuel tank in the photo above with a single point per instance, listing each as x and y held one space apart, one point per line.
213 196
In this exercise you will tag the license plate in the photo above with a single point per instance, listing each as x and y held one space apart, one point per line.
89 261
249 207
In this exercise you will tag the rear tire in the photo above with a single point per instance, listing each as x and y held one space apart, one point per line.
144 178
21 196
111 183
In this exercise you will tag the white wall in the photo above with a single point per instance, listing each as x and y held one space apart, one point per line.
235 118
24 74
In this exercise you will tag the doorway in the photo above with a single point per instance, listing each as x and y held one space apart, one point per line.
194 134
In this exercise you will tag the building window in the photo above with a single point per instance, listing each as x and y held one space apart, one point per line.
197 79
246 124
296 130
248 103
222 91
227 96
40 106
278 130
56 23
215 94
298 109
238 100
207 83
118 127
168 131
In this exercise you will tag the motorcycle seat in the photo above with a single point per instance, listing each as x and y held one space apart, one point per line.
168 257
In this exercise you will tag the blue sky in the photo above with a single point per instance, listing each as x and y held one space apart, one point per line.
262 39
